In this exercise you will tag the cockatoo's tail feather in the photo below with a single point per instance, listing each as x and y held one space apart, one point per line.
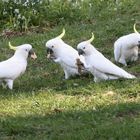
130 76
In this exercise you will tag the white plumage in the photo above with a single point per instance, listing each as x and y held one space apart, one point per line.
16 65
98 65
64 54
126 48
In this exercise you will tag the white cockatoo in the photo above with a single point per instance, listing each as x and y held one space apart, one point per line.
64 54
98 65
16 65
126 47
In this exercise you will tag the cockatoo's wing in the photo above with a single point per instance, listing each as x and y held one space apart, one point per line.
10 69
106 66
69 56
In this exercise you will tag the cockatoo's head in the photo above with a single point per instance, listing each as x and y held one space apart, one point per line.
54 45
85 48
24 51
137 34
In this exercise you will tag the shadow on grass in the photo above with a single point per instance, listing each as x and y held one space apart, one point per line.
117 121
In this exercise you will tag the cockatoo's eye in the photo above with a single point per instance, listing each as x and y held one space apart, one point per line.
26 50
52 46
84 47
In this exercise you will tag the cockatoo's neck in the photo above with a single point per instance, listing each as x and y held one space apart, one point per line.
20 56
91 50
62 49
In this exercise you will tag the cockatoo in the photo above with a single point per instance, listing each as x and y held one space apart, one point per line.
16 65
98 65
126 47
64 54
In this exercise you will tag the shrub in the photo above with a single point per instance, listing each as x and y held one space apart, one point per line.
21 14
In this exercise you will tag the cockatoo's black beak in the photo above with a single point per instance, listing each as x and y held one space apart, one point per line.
32 54
50 53
80 51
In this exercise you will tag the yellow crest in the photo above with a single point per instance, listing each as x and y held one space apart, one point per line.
12 47
62 34
91 39
134 27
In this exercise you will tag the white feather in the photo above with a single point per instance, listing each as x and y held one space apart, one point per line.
15 66
99 66
126 48
65 55
12 68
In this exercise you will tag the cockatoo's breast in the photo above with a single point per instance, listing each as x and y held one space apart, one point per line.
68 60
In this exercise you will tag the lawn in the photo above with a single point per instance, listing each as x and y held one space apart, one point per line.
44 106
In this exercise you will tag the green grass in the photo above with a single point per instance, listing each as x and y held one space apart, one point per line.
43 106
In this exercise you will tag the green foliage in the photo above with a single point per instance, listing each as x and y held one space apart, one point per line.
18 14
21 15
